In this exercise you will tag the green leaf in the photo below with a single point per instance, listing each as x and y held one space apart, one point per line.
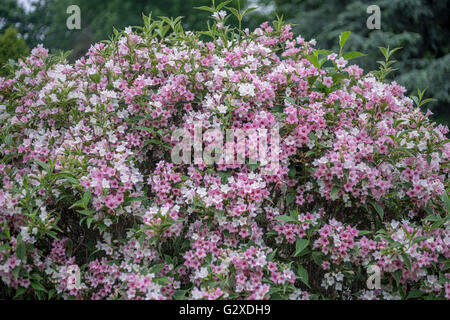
156 268
51 293
383 51
37 286
286 218
43 165
343 38
289 198
86 197
224 175
278 109
334 192
353 55
324 52
302 274
20 292
292 172
271 233
432 218
314 60
223 4
235 12
310 152
291 100
247 11
87 212
300 245
397 275
419 239
72 180
378 208
163 280
89 221
145 129
21 249
95 77
317 258
8 140
15 272
77 204
6 229
271 255
415 294
406 261
437 224
446 201
311 80
446 266
180 295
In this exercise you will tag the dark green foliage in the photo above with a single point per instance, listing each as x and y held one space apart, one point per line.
12 14
11 47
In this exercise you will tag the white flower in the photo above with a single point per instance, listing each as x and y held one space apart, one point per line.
202 273
225 188
339 276
422 145
112 138
43 216
247 89
394 224
105 184
219 15
201 192
222 108
196 294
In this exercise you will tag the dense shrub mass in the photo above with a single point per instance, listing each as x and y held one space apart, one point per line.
86 177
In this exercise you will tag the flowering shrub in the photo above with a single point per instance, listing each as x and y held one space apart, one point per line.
87 181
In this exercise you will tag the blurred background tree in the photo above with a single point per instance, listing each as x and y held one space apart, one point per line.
12 13
420 27
12 47
47 20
